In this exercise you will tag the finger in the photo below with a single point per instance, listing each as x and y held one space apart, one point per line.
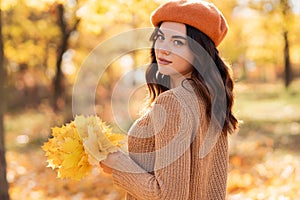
102 164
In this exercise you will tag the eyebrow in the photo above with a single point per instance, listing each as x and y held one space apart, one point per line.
174 36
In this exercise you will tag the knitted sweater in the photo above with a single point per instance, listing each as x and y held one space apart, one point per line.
164 153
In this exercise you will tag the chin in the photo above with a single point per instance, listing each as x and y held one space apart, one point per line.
165 70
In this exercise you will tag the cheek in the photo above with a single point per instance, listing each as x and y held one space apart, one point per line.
156 49
184 61
156 52
181 65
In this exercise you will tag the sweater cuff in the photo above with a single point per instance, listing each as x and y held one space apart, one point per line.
126 171
132 182
122 179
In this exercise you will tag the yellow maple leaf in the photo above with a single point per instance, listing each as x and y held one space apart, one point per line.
75 145
98 140
66 154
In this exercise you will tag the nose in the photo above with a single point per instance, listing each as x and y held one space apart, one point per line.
163 47
164 50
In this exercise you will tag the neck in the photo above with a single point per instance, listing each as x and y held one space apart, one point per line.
176 80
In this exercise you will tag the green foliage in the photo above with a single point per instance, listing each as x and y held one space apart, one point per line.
271 102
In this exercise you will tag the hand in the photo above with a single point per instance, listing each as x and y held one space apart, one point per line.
105 168
110 161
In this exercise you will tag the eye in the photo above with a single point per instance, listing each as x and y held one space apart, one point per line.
178 43
160 37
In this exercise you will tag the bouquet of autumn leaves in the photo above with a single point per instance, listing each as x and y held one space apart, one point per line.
76 146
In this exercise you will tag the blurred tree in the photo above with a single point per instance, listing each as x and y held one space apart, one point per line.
3 181
279 14
286 12
30 39
66 29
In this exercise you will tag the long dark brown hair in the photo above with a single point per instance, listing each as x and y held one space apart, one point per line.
206 81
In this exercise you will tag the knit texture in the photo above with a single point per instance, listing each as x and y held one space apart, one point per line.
164 146
197 13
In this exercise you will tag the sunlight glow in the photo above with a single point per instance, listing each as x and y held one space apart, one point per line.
22 139
295 6
127 62
8 4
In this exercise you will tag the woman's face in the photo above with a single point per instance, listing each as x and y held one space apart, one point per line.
172 52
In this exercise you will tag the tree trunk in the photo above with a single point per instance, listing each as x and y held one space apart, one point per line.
58 82
287 63
58 79
286 10
3 181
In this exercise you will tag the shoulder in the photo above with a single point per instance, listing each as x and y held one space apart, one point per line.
166 97
180 96
178 103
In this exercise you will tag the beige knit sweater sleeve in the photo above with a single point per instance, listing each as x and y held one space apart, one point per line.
173 127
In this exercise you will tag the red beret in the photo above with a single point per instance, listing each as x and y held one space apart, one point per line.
200 14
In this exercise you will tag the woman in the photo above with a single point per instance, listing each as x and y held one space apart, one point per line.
179 148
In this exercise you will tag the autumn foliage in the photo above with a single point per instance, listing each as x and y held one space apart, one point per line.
74 147
264 154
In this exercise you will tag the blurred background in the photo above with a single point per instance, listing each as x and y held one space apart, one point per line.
43 43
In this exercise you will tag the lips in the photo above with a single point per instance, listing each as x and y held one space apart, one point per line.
163 61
